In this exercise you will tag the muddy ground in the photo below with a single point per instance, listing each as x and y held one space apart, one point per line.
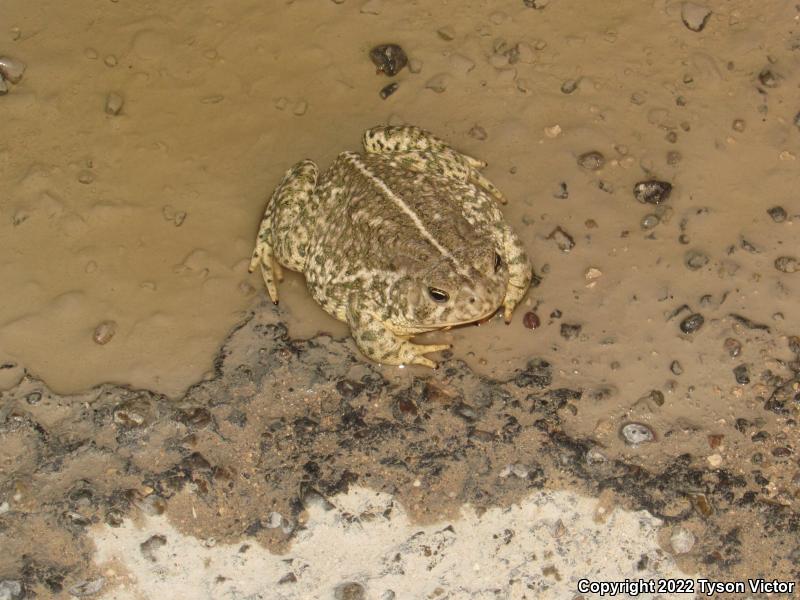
137 152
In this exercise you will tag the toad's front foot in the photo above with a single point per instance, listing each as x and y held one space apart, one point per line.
409 353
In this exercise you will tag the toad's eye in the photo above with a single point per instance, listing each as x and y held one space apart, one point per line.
497 262
438 295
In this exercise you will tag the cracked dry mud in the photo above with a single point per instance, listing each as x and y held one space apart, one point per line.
286 423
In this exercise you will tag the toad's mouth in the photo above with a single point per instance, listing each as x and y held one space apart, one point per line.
473 321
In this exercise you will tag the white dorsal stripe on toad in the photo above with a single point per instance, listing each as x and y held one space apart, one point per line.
355 160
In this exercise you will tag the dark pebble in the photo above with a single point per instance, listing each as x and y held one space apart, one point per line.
797 120
777 213
760 436
652 191
288 578
531 321
794 344
676 367
692 323
768 78
742 375
388 90
389 58
570 331
781 452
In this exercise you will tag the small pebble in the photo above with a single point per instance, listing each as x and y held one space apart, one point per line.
569 86
768 78
349 591
741 375
563 191
149 547
682 540
650 221
777 214
114 103
478 132
11 69
634 434
438 83
110 60
591 161
570 331
692 323
676 368
738 125
87 588
797 120
388 90
447 34
732 346
563 240
652 191
673 157
531 320
694 16
388 58
787 264
3 86
415 65
300 108
104 332
694 260
85 177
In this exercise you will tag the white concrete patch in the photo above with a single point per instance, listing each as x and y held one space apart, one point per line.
536 550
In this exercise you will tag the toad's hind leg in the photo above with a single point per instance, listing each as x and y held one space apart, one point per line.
284 233
422 151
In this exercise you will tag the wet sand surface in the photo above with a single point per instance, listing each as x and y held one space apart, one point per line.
137 153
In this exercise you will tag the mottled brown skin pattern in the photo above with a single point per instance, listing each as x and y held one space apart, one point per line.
402 239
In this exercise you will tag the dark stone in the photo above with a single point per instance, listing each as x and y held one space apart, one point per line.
388 58
652 191
692 323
